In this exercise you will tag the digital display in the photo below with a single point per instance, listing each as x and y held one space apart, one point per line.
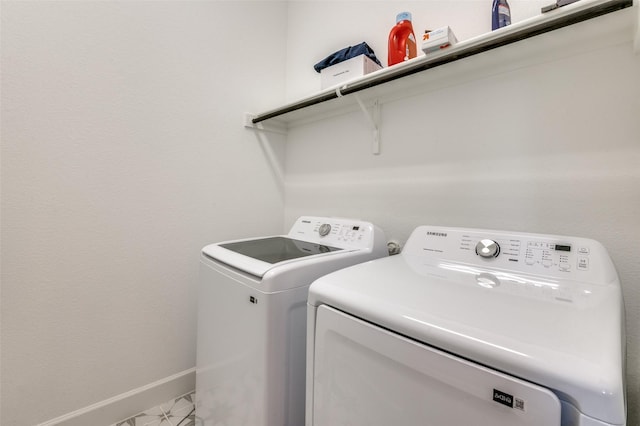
560 247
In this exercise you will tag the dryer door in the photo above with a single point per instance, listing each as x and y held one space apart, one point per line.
368 376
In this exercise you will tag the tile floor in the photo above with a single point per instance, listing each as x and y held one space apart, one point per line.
177 412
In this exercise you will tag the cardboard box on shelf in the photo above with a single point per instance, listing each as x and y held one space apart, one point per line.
347 70
435 40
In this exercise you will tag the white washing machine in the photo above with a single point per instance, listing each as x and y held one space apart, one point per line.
469 327
250 368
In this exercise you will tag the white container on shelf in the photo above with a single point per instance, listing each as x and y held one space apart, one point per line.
347 70
435 40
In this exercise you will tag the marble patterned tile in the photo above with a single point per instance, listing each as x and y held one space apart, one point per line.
177 412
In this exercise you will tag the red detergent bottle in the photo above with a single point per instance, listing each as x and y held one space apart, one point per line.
402 40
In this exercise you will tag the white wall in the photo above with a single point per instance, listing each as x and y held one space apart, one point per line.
549 146
123 153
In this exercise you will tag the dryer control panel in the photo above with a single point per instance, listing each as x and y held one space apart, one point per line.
557 256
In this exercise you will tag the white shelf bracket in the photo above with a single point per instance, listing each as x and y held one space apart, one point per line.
373 118
260 127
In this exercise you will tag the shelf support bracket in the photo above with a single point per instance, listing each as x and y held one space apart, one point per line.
373 118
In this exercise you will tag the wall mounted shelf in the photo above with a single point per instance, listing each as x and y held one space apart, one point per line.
381 83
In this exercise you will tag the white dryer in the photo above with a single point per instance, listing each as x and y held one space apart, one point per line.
469 327
250 368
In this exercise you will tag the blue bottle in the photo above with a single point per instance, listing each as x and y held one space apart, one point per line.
500 14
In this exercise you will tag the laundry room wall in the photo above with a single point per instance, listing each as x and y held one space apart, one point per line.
498 141
123 153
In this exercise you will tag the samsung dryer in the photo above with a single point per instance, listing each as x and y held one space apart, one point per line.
470 327
250 367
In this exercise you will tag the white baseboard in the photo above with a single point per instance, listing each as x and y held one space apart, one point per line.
128 404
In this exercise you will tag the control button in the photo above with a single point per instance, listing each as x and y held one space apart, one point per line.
324 229
583 263
487 248
565 267
547 263
530 261
583 250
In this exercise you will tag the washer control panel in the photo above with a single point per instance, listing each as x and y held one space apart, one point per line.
336 232
539 254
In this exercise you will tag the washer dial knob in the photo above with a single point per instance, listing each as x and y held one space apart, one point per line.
324 229
487 248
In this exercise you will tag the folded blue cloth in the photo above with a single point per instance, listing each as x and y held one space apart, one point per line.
346 53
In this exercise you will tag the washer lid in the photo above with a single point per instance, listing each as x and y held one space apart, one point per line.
318 244
277 249
563 334
257 256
